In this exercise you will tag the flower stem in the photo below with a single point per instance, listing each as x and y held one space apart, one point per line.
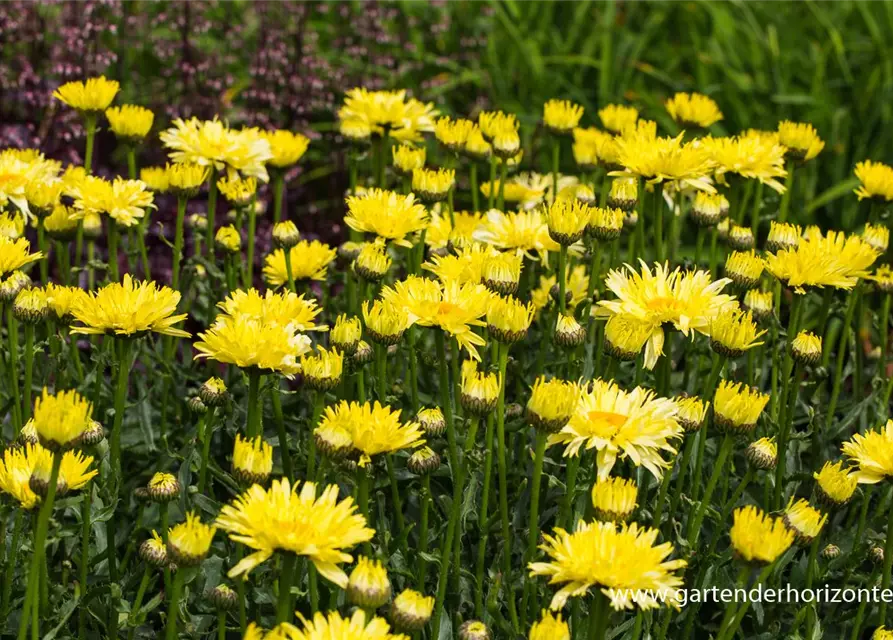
178 244
90 128
29 371
785 205
841 352
137 601
884 335
658 214
253 425
86 528
319 401
694 526
283 435
567 502
397 505
207 432
534 526
173 608
503 488
483 518
888 565
425 500
12 555
715 371
113 251
413 370
473 180
491 195
556 158
362 482
42 246
212 212
221 625
286 576
598 619
32 589
252 229
503 171
278 193
683 470
562 282
289 274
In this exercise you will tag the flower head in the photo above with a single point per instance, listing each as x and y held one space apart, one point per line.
368 585
14 254
282 518
592 146
707 209
248 342
801 139
550 627
479 389
129 308
832 260
407 159
693 110
523 231
433 185
737 407
373 261
153 551
622 561
878 236
552 403
188 542
875 181
749 156
286 234
744 268
871 454
309 261
732 332
806 348
322 369
635 424
286 148
617 117
238 191
411 610
614 499
252 460
453 134
163 487
130 122
501 272
783 235
212 144
759 303
508 318
805 521
61 419
20 464
757 538
665 159
386 113
373 428
90 96
385 321
567 220
692 412
835 484
285 308
388 215
561 116
332 626
762 453
569 333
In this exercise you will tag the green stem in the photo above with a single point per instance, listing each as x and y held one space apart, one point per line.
32 589
178 244
503 172
278 193
567 501
683 470
658 214
86 528
284 451
133 619
12 555
694 526
29 370
113 251
413 370
253 426
221 624
286 575
888 564
713 380
491 196
743 609
42 247
212 212
397 504
473 180
884 336
483 518
174 607
90 128
841 353
252 230
207 432
286 251
424 506
319 402
533 521
503 487
556 157
598 619
562 281
362 482
785 205
381 368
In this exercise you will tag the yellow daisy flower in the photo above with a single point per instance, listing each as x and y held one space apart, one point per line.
550 627
14 254
801 139
91 96
614 499
130 122
875 181
749 156
388 215
833 260
286 148
693 110
309 261
561 116
617 117
871 454
757 538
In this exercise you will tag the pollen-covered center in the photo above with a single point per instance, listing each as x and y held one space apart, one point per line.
606 421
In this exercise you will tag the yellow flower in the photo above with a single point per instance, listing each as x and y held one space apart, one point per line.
875 181
507 145
883 278
12 285
368 585
452 307
758 538
163 487
282 631
882 633
188 542
665 159
688 300
355 131
801 139
476 146
479 389
61 300
762 453
92 96
441 232
385 321
239 192
614 499
625 337
748 156
433 185
744 268
248 342
156 178
411 610
42 197
14 254
463 267
373 261
806 348
617 117
783 235
186 179
286 148
12 225
878 236
129 308
567 220
493 123
515 191
737 407
732 332
593 146
550 627
501 271
387 214
453 134
322 370
373 429
127 201
561 116
692 412
284 519
707 209
693 110
30 305
285 308
833 260
211 143
346 334
803 520
576 283
623 562
252 460
130 122
552 403
637 424
387 113
285 234
309 261
508 319
522 231
61 224
835 485
19 464
759 303
332 626
61 419
871 454
407 159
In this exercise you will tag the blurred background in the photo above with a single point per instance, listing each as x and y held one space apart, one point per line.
288 64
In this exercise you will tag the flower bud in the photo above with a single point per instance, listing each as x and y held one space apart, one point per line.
223 598
411 611
285 234
423 461
368 586
432 421
163 487
474 630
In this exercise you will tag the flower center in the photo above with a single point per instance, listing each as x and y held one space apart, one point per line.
665 306
607 420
